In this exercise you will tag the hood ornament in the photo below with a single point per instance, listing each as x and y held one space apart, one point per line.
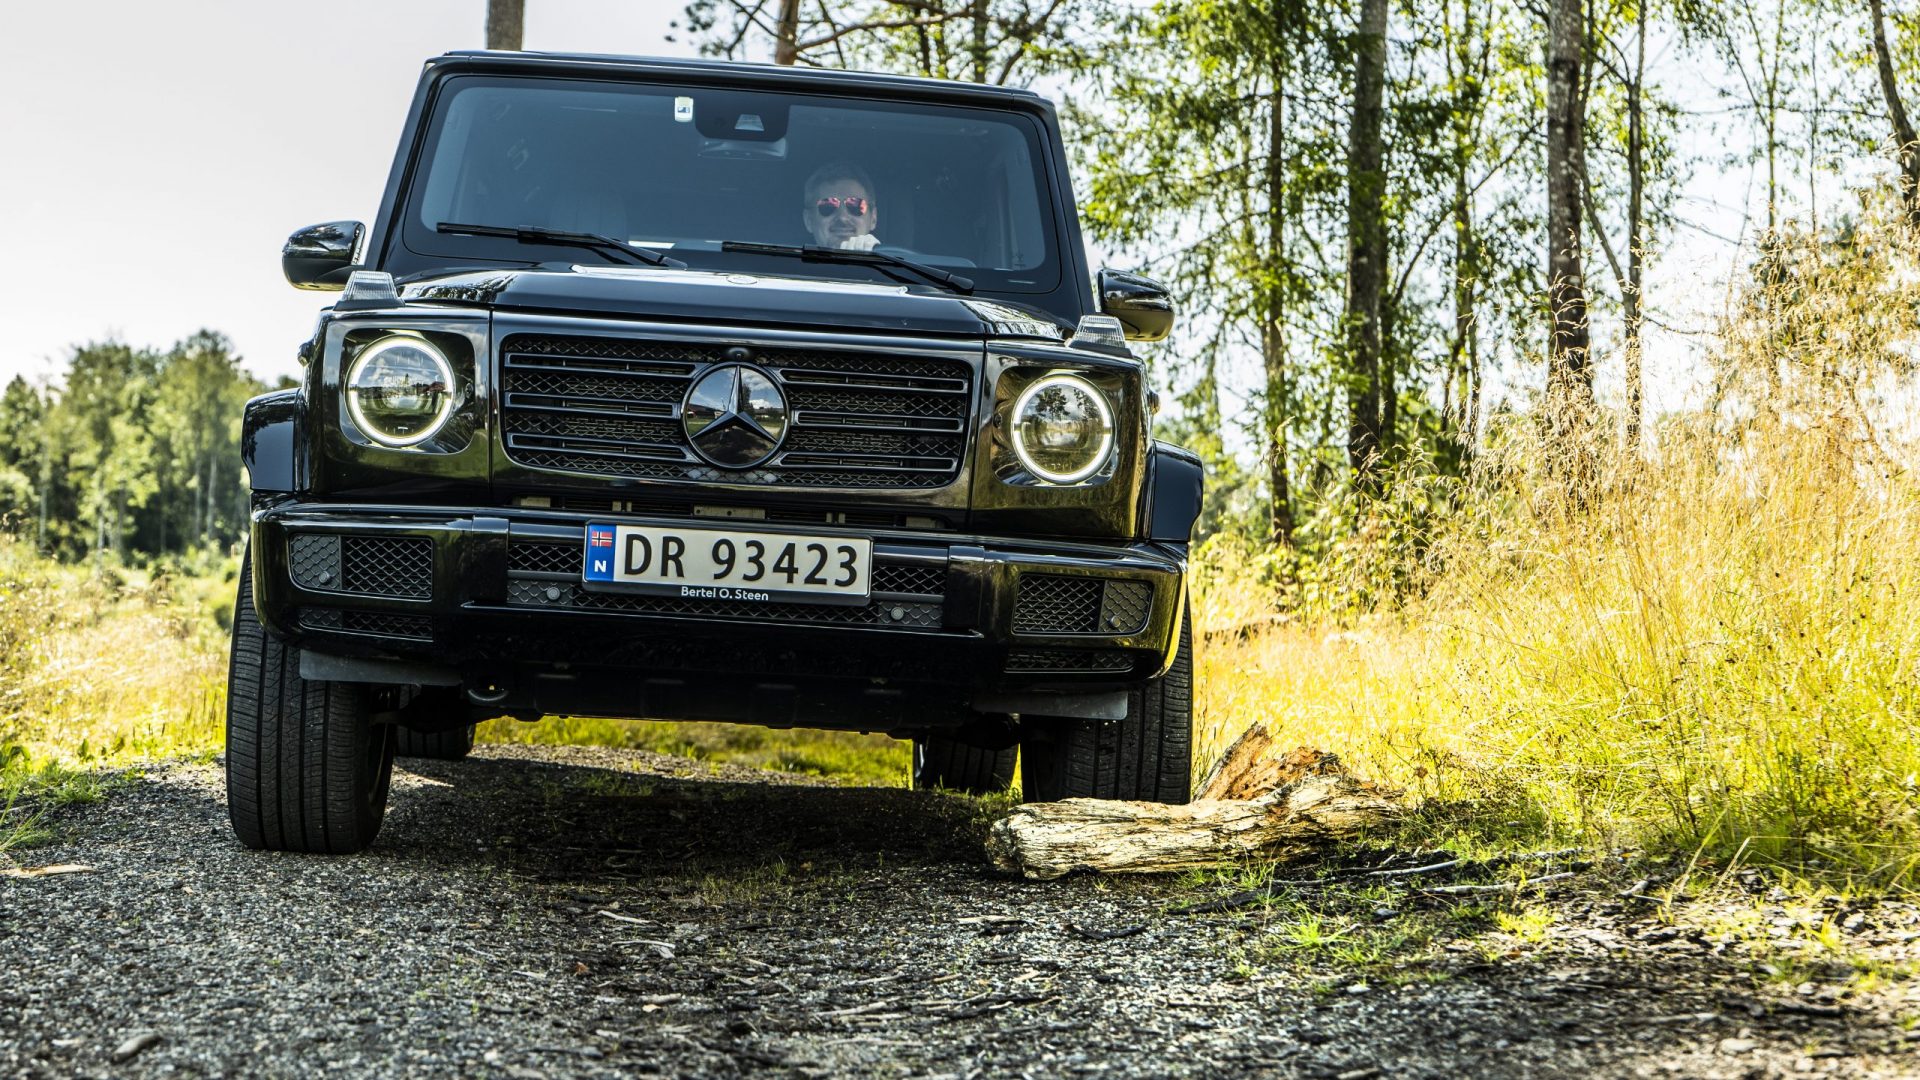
735 416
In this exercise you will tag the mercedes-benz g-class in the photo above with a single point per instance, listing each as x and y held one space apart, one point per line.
691 390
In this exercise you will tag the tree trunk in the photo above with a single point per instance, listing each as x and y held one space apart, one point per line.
786 39
1569 376
1636 228
977 48
1389 385
1366 240
46 489
1463 369
1273 342
506 24
213 487
1464 365
1903 133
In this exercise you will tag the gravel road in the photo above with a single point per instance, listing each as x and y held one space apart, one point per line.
583 912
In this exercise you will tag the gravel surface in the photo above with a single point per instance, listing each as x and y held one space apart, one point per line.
582 912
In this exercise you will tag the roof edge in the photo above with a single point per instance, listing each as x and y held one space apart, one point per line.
737 69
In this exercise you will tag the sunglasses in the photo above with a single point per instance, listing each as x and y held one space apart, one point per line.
854 206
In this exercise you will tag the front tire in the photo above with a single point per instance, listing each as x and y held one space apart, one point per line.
951 765
1147 757
307 768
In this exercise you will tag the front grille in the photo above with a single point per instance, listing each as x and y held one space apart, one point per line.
906 595
909 578
1068 660
1049 604
547 558
379 623
611 407
397 566
719 512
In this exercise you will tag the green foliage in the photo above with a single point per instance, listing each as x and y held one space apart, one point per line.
134 452
849 756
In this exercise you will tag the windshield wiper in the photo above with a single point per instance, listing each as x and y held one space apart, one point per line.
878 259
593 241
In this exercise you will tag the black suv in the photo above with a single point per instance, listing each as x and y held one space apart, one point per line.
681 389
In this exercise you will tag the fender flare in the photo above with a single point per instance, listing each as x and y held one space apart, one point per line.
1176 481
271 442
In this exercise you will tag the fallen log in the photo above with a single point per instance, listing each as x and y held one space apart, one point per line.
1315 804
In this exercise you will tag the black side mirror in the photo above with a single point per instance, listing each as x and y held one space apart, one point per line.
1142 304
321 256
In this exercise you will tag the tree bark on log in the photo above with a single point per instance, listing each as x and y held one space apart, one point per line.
1317 804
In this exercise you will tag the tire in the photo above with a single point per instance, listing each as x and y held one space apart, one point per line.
437 745
951 765
307 768
1146 757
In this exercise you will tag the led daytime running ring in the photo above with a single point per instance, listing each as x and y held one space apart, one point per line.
367 356
1096 462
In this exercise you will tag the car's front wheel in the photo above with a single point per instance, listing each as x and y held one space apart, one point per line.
1147 756
307 767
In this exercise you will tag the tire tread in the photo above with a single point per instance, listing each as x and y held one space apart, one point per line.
298 777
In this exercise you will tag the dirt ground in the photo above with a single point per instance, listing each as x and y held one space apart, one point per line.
539 911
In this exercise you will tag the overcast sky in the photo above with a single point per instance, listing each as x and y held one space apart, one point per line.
155 155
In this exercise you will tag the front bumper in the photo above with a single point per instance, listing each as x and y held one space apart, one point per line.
493 598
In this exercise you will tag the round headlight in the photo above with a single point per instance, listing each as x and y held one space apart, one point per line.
400 390
1062 429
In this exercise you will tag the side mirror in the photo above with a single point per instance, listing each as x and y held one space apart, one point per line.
1142 304
321 256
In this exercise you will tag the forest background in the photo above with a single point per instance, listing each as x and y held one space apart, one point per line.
1412 245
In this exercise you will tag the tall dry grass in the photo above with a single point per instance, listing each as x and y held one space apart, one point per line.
108 666
1711 645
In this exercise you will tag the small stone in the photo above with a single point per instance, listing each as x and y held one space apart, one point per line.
1738 1046
135 1043
1357 988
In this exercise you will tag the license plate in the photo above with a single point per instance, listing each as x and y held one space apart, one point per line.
722 564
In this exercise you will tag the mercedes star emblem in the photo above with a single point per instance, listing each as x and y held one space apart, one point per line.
735 416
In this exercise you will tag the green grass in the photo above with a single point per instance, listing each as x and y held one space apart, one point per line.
874 760
104 667
1719 656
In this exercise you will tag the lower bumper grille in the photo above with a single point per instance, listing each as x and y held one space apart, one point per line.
396 566
375 623
1068 660
1050 604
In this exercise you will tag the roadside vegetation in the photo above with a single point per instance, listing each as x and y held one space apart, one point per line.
1708 648
1705 650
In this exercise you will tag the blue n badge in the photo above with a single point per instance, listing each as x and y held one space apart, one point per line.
599 552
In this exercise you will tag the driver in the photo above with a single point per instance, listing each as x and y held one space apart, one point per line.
839 207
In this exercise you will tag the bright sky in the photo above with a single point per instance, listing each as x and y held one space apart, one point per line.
157 154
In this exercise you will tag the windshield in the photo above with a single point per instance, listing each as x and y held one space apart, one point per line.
682 170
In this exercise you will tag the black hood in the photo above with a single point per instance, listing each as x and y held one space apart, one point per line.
735 299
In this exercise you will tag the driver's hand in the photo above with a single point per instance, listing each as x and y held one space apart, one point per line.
863 242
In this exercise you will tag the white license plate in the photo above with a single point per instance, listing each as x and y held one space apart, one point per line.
723 564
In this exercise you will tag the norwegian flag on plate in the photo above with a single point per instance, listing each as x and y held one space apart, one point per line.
599 561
